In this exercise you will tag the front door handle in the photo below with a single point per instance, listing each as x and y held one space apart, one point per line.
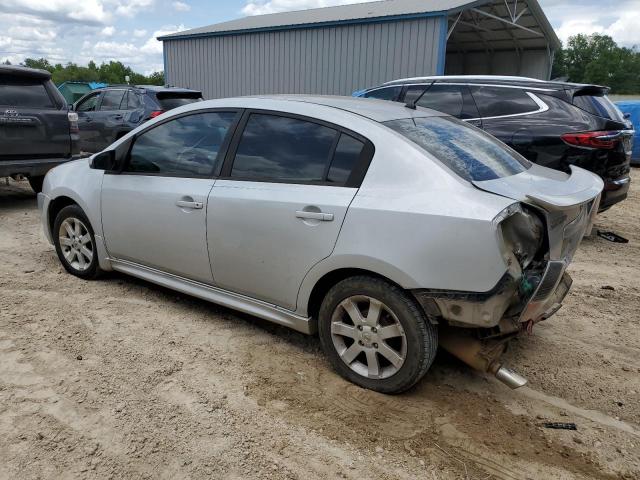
323 217
187 204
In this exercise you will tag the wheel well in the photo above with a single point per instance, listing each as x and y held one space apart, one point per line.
55 206
325 283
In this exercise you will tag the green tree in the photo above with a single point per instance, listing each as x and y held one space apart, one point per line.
112 72
598 59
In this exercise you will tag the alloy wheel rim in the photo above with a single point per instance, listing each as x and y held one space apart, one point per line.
75 243
368 337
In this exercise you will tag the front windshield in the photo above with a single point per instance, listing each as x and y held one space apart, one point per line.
469 152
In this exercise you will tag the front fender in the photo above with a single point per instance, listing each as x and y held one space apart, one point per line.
82 185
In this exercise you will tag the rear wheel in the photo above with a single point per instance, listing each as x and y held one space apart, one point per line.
36 183
75 243
375 335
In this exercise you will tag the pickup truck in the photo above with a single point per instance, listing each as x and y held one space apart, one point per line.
37 129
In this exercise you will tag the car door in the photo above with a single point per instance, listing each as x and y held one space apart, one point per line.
154 210
86 108
278 207
108 120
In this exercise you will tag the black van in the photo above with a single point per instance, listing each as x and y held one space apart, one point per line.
37 130
554 124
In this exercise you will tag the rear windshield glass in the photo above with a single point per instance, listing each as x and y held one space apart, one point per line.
469 152
173 100
23 92
600 106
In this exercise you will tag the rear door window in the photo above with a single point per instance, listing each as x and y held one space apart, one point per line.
385 93
133 100
471 153
24 92
453 100
347 155
112 99
284 149
186 146
501 101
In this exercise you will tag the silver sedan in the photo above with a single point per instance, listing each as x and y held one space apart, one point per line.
388 230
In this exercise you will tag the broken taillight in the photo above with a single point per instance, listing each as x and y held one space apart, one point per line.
598 139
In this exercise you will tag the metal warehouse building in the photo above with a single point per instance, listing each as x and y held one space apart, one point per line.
337 50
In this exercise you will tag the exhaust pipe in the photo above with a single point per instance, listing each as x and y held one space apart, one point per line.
481 355
510 378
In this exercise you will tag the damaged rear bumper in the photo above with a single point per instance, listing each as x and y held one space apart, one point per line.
504 306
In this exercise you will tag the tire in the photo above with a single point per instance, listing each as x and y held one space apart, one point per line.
72 224
36 183
389 357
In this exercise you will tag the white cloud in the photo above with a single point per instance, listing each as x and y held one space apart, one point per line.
108 31
128 8
86 11
154 46
181 6
619 19
139 33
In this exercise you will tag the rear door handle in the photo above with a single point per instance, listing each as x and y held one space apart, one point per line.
323 217
187 204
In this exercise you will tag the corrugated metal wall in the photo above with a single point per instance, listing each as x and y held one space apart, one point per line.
329 60
530 63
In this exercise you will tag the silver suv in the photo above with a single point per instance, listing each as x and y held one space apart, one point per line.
381 227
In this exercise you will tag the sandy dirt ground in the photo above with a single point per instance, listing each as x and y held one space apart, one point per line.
121 379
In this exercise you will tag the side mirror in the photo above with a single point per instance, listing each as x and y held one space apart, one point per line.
105 160
71 107
627 115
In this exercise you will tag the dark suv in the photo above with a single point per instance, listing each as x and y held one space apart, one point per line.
106 114
554 124
37 131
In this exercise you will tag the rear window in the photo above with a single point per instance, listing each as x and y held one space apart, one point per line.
169 100
471 153
598 105
24 92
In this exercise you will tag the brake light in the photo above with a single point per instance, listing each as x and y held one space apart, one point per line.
598 139
155 113
73 122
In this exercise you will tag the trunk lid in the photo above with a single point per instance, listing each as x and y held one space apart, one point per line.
547 188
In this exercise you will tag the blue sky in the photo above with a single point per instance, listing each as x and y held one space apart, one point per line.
125 30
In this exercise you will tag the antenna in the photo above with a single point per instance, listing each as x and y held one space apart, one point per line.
412 103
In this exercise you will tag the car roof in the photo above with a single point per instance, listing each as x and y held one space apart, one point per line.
152 88
492 80
373 109
20 71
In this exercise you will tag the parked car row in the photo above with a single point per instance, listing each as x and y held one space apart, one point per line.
553 124
388 227
388 230
38 130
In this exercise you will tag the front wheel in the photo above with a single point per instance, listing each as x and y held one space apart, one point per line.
75 243
375 335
